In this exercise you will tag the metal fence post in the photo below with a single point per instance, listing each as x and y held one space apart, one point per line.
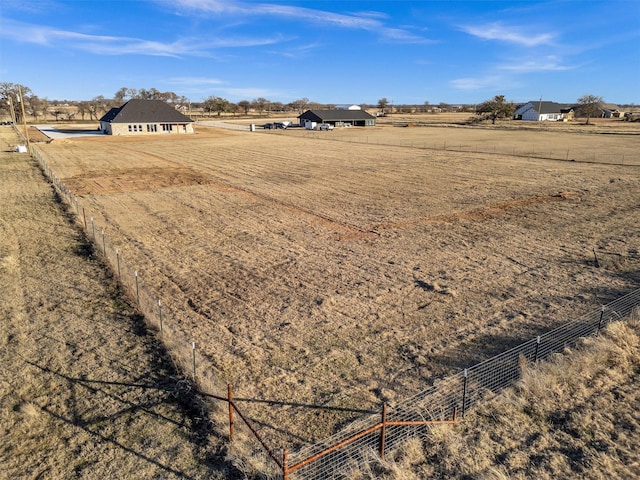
135 274
93 229
537 349
118 262
104 245
195 377
599 326
160 315
383 430
230 401
285 465
464 393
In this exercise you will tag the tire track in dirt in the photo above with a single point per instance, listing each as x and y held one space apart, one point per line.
478 214
154 178
341 231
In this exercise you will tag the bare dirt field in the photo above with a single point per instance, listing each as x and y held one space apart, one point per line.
315 269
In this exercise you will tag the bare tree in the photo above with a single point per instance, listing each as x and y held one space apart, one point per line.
260 104
245 105
217 104
35 106
589 106
121 94
97 106
382 104
83 109
10 98
300 105
56 112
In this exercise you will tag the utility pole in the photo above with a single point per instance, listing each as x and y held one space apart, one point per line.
11 110
24 120
540 108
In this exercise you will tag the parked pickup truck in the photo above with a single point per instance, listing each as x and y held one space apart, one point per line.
326 126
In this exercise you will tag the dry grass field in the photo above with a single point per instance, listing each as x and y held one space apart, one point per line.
85 390
575 416
316 270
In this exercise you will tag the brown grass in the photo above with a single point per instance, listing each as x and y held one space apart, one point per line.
334 273
573 417
346 272
73 356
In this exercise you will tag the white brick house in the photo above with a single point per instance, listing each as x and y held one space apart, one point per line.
539 111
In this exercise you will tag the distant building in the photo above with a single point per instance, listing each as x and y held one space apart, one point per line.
348 107
611 110
539 111
145 117
337 118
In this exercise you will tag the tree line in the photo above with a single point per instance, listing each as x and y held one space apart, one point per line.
14 98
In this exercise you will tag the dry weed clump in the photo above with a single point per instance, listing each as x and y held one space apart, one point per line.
575 416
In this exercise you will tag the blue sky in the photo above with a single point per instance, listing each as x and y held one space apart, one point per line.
335 51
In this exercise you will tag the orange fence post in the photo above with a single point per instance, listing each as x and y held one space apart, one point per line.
383 430
285 465
230 400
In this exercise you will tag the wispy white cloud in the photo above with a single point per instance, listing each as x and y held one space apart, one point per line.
112 45
298 51
197 81
518 35
545 64
370 21
478 83
402 36
249 92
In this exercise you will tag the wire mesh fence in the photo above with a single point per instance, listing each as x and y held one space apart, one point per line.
458 392
338 455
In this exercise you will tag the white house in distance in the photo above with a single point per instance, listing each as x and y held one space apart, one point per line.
539 111
145 117
348 107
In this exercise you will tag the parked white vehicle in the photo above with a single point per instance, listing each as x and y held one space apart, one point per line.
326 126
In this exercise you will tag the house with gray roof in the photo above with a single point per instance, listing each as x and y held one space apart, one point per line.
145 117
539 111
338 118
611 110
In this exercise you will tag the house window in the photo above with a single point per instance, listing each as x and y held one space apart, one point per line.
152 127
167 127
130 127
